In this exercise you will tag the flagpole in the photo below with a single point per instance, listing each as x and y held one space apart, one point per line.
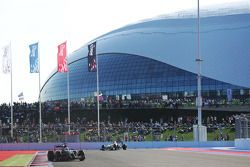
40 105
11 102
97 97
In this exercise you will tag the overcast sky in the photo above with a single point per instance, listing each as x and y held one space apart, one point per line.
51 22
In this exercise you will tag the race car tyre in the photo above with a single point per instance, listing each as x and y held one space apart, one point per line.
81 155
115 147
50 156
57 156
124 146
103 148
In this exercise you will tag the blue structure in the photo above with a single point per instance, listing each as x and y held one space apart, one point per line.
155 60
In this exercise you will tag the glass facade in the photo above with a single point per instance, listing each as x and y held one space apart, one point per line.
132 77
152 64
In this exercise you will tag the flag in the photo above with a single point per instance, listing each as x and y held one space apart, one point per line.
34 61
229 95
100 97
92 57
62 65
6 59
20 96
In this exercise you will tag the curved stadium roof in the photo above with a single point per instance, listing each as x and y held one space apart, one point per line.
225 44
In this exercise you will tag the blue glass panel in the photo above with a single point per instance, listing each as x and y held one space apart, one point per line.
126 74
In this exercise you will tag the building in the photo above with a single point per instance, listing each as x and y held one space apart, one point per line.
152 64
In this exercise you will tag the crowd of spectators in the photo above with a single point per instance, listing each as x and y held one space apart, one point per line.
149 102
26 127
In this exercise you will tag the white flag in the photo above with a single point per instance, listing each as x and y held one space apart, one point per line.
6 59
21 96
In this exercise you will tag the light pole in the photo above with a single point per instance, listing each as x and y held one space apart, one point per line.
198 60
200 131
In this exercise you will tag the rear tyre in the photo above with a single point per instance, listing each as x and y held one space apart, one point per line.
50 156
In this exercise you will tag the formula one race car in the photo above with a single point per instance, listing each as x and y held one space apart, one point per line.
63 153
114 146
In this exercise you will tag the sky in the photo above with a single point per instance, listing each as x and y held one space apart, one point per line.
52 22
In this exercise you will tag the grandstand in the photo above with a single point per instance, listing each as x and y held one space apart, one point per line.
165 125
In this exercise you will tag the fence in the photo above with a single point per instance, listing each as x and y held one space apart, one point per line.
242 126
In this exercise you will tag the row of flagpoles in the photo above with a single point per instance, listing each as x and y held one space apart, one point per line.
34 58
62 67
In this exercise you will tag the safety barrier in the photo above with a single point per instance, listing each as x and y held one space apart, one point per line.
243 144
132 145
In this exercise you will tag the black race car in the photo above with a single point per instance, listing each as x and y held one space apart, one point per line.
63 153
114 146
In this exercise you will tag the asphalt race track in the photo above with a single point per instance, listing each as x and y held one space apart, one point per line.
156 158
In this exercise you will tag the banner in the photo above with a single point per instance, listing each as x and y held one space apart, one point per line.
34 60
229 95
62 65
6 59
92 57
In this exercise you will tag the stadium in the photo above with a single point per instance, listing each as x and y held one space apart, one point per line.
147 83
148 80
148 90
151 64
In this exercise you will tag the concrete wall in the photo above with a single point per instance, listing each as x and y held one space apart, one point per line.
131 145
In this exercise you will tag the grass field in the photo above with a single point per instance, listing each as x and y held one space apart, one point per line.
212 135
16 158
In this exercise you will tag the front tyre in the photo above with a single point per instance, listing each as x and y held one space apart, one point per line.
81 155
124 147
103 148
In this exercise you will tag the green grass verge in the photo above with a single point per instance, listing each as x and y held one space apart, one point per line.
212 135
17 160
